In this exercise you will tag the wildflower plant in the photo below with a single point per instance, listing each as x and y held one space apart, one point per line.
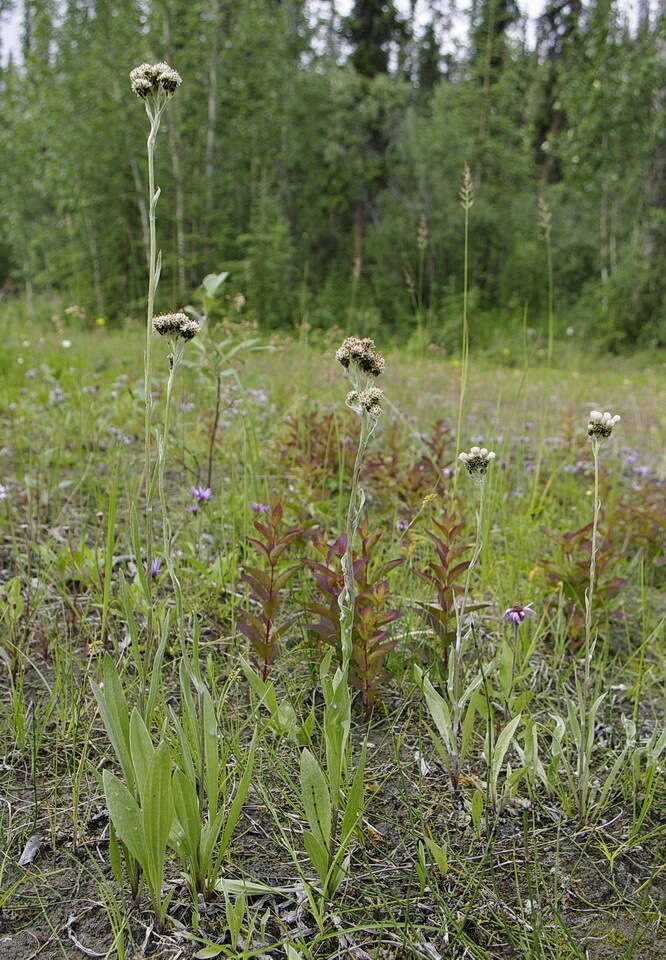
582 724
363 365
155 84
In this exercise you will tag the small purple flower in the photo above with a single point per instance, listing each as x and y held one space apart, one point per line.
201 494
192 508
155 567
401 525
187 405
259 507
517 614
31 373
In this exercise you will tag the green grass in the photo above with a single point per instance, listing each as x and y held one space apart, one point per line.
433 872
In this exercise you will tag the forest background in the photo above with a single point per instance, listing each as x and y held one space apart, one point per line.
316 156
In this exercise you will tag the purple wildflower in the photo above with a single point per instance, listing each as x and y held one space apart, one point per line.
259 507
192 508
517 614
155 567
201 494
187 405
401 525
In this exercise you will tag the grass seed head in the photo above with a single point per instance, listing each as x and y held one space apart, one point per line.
151 79
477 461
600 425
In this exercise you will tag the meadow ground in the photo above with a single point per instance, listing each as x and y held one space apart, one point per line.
552 849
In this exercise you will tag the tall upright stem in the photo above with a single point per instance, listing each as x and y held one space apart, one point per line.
174 361
347 598
153 279
589 595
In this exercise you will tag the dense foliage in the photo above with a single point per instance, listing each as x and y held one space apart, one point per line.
317 158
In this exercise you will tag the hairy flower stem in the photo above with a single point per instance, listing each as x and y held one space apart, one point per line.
153 280
347 598
589 595
175 356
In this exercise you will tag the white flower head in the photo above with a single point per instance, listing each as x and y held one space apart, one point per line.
477 462
600 425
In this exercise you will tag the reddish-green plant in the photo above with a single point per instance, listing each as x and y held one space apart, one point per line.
444 574
267 583
373 614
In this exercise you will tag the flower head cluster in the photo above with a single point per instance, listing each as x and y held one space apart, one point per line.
601 425
360 353
369 400
150 79
176 325
477 461
517 614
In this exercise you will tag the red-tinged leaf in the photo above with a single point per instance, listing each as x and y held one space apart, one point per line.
326 632
338 548
391 564
283 579
576 533
439 543
261 575
316 609
271 606
264 530
458 569
260 546
250 617
249 631
282 629
279 549
315 565
257 588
